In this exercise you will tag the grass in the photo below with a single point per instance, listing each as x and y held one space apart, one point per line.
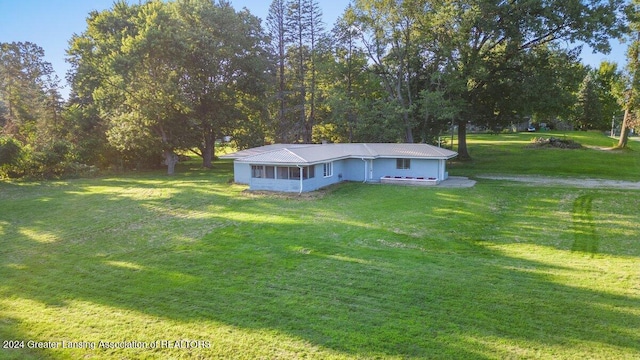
512 154
501 270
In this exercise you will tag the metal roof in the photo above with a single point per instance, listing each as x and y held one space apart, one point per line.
260 150
307 154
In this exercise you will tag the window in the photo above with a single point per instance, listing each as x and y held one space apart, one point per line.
294 173
403 164
308 172
283 173
257 171
269 172
327 169
262 172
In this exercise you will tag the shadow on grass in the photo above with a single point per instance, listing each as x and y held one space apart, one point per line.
394 281
585 237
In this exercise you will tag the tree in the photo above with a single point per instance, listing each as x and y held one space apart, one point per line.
276 28
388 33
10 150
344 82
437 112
485 42
630 97
304 29
170 77
98 99
148 76
588 109
223 74
551 78
608 80
128 55
29 96
31 114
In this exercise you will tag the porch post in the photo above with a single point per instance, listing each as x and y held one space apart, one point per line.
301 177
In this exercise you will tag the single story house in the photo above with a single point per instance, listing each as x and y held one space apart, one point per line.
308 167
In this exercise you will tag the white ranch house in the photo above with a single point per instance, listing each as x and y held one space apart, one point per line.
308 167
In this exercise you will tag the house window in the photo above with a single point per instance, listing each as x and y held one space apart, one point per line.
257 171
269 172
283 173
403 164
308 172
327 169
262 172
294 173
288 172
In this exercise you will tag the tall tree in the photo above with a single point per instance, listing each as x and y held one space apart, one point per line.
276 28
551 78
96 96
29 95
346 77
588 109
388 33
304 30
138 89
171 76
608 80
315 28
485 40
223 73
630 98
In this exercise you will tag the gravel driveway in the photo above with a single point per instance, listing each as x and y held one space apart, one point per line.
573 182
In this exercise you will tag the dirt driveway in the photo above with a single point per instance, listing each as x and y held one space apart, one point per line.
572 182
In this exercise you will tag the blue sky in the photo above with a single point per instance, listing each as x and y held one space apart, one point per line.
51 23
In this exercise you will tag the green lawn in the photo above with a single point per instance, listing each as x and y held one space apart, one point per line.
513 154
500 270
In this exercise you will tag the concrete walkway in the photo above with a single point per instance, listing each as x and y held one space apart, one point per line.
457 182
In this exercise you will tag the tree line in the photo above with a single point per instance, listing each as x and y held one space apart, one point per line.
155 80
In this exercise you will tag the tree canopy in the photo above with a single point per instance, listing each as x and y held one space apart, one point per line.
171 76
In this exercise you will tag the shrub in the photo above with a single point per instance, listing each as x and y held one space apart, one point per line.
10 151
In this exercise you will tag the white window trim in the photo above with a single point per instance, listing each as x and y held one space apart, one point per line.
327 166
404 163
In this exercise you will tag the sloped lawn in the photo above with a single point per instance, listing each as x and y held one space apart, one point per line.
194 267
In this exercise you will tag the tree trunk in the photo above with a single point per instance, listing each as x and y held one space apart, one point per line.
207 149
170 159
463 152
282 132
276 23
624 130
408 135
